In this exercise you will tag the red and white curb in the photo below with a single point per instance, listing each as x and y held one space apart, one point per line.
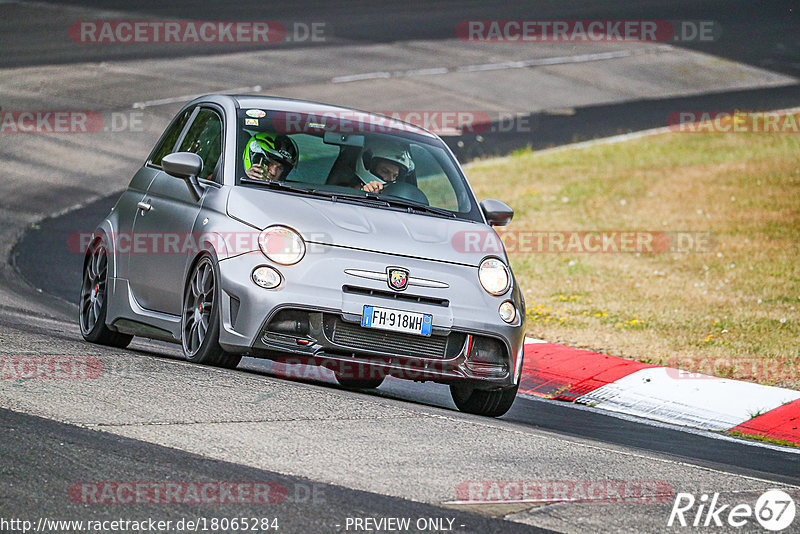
659 393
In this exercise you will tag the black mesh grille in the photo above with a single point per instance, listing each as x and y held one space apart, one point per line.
396 296
354 336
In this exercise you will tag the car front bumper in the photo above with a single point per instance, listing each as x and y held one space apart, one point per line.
314 317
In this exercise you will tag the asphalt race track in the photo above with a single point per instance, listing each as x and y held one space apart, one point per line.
336 460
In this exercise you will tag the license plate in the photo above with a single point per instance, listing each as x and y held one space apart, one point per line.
397 320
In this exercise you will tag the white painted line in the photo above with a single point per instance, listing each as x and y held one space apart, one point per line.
531 340
186 98
490 66
542 62
607 140
426 72
687 399
504 65
359 77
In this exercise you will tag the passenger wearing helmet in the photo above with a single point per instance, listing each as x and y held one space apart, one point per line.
383 161
269 156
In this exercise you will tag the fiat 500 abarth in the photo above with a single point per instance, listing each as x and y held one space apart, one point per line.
307 233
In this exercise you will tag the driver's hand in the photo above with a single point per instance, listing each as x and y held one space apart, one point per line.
256 172
373 187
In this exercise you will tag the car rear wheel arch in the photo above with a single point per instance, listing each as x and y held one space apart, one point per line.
93 303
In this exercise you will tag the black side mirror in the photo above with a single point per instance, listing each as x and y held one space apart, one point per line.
497 213
186 166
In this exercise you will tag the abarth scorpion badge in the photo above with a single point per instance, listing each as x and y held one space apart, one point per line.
398 278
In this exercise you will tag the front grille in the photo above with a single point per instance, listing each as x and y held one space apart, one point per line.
354 336
395 295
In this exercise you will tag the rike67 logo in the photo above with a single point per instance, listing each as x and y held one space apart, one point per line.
774 511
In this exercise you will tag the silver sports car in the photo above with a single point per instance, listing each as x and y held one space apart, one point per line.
306 233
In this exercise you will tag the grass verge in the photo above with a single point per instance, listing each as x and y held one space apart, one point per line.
721 298
764 439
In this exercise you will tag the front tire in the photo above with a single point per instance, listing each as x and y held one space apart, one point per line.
93 305
490 403
200 318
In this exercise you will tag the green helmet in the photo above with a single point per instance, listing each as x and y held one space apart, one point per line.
277 147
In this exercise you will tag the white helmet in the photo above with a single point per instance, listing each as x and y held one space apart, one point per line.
395 151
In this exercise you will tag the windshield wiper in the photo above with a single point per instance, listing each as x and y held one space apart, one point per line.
394 201
381 200
284 186
372 199
333 195
274 184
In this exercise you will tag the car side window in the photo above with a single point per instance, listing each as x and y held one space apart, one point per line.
167 144
204 138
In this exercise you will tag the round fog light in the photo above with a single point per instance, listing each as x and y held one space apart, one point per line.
266 277
507 311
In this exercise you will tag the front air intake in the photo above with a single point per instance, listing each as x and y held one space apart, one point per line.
290 322
487 357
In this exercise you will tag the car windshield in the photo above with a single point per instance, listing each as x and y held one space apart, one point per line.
336 159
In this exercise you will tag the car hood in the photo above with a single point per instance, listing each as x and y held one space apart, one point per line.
367 228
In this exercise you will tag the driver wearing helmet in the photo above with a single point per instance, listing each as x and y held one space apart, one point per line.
269 156
383 161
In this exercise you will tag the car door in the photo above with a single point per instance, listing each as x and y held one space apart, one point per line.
163 243
127 206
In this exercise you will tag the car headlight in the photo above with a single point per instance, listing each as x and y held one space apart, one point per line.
494 276
282 245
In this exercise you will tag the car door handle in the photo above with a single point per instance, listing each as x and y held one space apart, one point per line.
144 206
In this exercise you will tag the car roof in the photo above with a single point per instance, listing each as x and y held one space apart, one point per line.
320 109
